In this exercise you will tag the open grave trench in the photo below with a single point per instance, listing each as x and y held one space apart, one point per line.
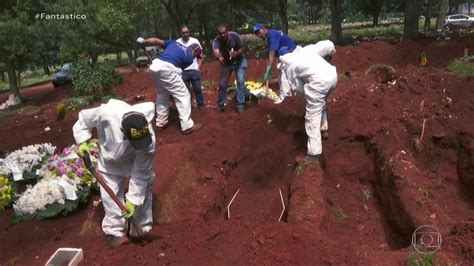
247 179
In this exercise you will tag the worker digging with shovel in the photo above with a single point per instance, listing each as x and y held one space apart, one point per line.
127 146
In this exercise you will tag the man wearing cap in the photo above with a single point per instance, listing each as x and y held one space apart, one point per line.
313 78
229 50
191 74
166 73
127 146
275 41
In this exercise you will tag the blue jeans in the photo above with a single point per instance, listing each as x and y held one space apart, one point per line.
240 68
193 78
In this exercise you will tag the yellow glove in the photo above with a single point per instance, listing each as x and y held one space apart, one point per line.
83 149
130 210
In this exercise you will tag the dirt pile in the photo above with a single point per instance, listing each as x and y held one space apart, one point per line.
399 156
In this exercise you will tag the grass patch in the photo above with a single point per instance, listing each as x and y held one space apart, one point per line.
339 213
371 32
462 66
299 169
417 259
27 78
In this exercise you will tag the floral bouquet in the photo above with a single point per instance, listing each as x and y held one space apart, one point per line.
258 90
6 192
24 162
64 185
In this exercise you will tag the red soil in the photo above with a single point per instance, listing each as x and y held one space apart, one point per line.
383 175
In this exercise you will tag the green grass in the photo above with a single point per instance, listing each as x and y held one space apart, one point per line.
27 78
339 213
416 259
462 66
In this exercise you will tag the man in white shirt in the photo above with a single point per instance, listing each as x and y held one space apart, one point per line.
192 75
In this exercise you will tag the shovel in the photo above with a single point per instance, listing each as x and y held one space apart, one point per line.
88 163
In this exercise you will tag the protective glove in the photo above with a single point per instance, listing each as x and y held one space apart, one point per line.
130 210
268 70
83 149
140 41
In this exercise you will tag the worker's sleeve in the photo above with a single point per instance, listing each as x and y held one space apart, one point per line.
88 120
216 44
142 177
273 41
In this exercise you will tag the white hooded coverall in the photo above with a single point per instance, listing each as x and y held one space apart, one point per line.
168 81
322 48
313 78
118 159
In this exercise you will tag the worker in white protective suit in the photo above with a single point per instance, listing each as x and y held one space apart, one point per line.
325 49
127 146
166 73
312 78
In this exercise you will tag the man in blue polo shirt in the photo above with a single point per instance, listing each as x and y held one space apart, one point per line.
275 40
166 73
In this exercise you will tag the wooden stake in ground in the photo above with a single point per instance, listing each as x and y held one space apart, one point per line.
423 130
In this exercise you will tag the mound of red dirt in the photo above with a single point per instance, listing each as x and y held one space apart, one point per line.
399 156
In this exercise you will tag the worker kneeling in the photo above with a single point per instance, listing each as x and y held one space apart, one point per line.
313 79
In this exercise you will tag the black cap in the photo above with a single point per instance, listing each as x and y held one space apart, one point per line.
135 128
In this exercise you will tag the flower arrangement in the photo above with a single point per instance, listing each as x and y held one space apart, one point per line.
63 181
69 164
258 90
31 157
6 192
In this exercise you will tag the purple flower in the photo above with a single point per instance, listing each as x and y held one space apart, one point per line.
78 161
79 172
61 170
73 166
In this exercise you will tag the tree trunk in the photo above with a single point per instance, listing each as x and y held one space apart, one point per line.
230 12
131 60
46 70
410 22
283 5
12 79
443 8
203 18
428 16
18 78
375 19
336 14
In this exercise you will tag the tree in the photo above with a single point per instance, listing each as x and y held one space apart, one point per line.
282 7
443 8
19 48
179 10
429 5
410 22
336 17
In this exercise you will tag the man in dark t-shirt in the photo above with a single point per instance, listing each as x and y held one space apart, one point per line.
228 48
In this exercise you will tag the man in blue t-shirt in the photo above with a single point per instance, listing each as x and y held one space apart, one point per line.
228 48
166 73
275 40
